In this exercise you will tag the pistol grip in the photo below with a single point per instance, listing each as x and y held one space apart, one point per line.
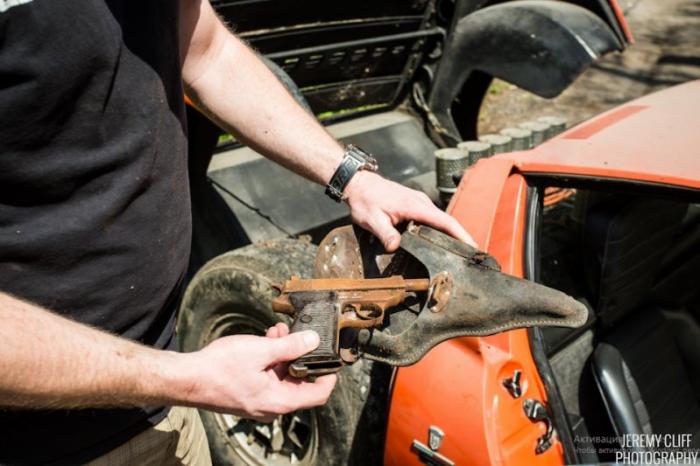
321 317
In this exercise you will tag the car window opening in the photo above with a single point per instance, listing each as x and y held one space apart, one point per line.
634 368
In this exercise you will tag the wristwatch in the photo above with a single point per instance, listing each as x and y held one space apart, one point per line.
354 160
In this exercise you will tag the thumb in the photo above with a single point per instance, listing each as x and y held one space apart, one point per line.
383 229
292 346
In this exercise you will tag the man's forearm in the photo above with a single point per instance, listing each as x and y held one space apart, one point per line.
50 362
47 361
234 88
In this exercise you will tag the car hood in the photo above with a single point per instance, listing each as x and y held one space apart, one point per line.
654 139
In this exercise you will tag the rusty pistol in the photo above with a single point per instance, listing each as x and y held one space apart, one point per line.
328 305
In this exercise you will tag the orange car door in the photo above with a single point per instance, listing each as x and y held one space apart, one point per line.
454 406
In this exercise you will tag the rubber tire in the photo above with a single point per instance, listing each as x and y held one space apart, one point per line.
239 282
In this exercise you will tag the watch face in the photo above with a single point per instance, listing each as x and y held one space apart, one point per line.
370 162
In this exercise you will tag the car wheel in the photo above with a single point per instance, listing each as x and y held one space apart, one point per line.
231 295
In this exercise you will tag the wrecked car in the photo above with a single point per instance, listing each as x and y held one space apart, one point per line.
401 79
607 212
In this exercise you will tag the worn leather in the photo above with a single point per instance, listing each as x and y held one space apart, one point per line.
622 398
483 301
643 373
626 241
646 365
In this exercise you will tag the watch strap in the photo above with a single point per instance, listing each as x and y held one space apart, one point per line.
355 159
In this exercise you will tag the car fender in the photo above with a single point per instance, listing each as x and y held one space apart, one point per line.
538 45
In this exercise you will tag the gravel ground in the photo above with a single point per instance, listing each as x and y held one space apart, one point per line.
666 52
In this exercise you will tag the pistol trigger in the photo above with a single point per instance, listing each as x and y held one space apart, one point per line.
369 311
350 308
277 287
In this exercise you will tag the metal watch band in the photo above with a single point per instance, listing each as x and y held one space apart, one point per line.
355 159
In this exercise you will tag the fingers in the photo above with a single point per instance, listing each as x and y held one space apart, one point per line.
282 329
264 418
389 203
279 330
451 226
290 347
380 224
294 394
308 394
434 217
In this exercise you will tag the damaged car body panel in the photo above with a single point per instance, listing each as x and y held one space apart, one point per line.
538 45
363 56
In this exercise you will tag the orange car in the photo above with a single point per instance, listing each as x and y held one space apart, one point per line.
400 79
608 212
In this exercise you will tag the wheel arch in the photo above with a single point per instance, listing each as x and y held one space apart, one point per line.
541 46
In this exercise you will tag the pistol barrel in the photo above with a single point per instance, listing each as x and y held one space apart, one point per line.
355 284
295 285
417 284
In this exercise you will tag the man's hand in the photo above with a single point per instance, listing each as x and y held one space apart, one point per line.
378 204
48 361
247 375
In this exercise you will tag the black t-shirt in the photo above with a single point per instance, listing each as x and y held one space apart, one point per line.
94 202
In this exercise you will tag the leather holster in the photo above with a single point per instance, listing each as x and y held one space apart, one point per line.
475 297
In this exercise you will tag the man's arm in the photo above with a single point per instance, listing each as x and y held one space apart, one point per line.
48 361
229 83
